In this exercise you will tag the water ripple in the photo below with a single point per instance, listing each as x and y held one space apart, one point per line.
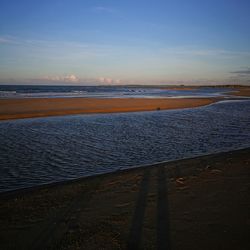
42 150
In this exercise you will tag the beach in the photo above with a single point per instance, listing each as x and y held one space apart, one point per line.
197 203
18 108
194 203
41 107
124 125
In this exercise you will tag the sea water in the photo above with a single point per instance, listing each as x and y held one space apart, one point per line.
43 150
29 91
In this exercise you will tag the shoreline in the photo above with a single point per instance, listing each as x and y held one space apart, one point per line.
31 189
44 107
205 196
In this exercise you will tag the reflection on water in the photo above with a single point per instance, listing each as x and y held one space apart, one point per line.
43 150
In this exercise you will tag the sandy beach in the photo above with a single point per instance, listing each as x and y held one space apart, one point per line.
124 125
40 107
198 203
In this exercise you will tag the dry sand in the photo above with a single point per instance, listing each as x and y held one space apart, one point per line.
200 203
39 107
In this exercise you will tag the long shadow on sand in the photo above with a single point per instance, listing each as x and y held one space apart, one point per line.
137 221
163 230
162 216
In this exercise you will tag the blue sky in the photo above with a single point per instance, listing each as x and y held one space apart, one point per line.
119 42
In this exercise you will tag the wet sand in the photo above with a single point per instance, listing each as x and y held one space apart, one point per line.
181 88
198 203
40 107
243 91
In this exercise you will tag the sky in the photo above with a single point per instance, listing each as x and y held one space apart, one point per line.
124 41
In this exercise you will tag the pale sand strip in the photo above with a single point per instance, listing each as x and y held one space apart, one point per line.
41 107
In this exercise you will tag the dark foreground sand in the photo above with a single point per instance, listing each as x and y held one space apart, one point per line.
199 203
40 107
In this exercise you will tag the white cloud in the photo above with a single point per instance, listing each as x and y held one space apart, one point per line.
5 40
206 52
108 80
71 78
68 78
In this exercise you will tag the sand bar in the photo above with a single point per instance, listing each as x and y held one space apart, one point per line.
40 107
199 203
181 88
243 91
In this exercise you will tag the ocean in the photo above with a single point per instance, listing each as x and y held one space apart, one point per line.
31 91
